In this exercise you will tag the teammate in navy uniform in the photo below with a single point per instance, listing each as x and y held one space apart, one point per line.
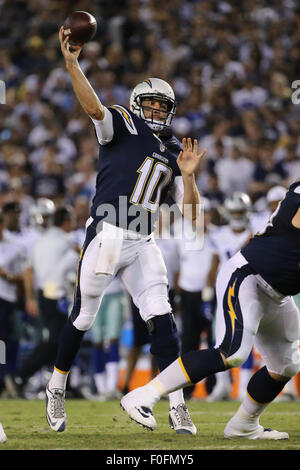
280 236
139 162
255 307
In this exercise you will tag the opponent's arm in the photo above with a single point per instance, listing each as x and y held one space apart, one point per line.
82 87
188 161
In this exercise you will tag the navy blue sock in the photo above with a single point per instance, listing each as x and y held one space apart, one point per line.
68 346
12 351
99 359
202 363
113 353
263 388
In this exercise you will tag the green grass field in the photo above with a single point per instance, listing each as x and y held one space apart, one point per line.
95 425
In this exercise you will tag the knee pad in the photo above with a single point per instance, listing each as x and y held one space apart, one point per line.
84 312
294 366
84 322
289 365
238 358
153 302
291 370
164 338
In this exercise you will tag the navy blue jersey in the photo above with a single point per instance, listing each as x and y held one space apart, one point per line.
275 253
136 171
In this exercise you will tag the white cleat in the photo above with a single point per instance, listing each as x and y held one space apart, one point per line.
139 408
55 409
180 420
3 437
234 429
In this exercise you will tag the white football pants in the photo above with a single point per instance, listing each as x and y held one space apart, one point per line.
250 312
137 261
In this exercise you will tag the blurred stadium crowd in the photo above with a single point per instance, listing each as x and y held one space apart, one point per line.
231 64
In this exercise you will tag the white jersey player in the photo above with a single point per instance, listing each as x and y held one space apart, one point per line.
40 218
228 239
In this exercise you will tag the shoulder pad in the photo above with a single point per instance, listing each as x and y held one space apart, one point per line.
127 118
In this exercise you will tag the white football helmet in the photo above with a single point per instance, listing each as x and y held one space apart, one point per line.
238 210
153 88
41 213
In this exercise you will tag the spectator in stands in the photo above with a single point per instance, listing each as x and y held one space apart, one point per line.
267 172
235 171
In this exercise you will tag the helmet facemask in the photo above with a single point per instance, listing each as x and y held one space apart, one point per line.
239 220
237 210
155 124
41 213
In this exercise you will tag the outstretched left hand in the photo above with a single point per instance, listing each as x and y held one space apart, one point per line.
189 157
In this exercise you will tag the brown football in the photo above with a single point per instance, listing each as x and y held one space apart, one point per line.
81 27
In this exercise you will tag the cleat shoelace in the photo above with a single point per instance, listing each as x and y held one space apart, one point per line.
182 416
57 404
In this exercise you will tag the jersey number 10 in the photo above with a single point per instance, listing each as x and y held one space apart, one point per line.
152 176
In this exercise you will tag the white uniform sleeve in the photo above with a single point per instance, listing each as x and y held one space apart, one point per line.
104 129
177 191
